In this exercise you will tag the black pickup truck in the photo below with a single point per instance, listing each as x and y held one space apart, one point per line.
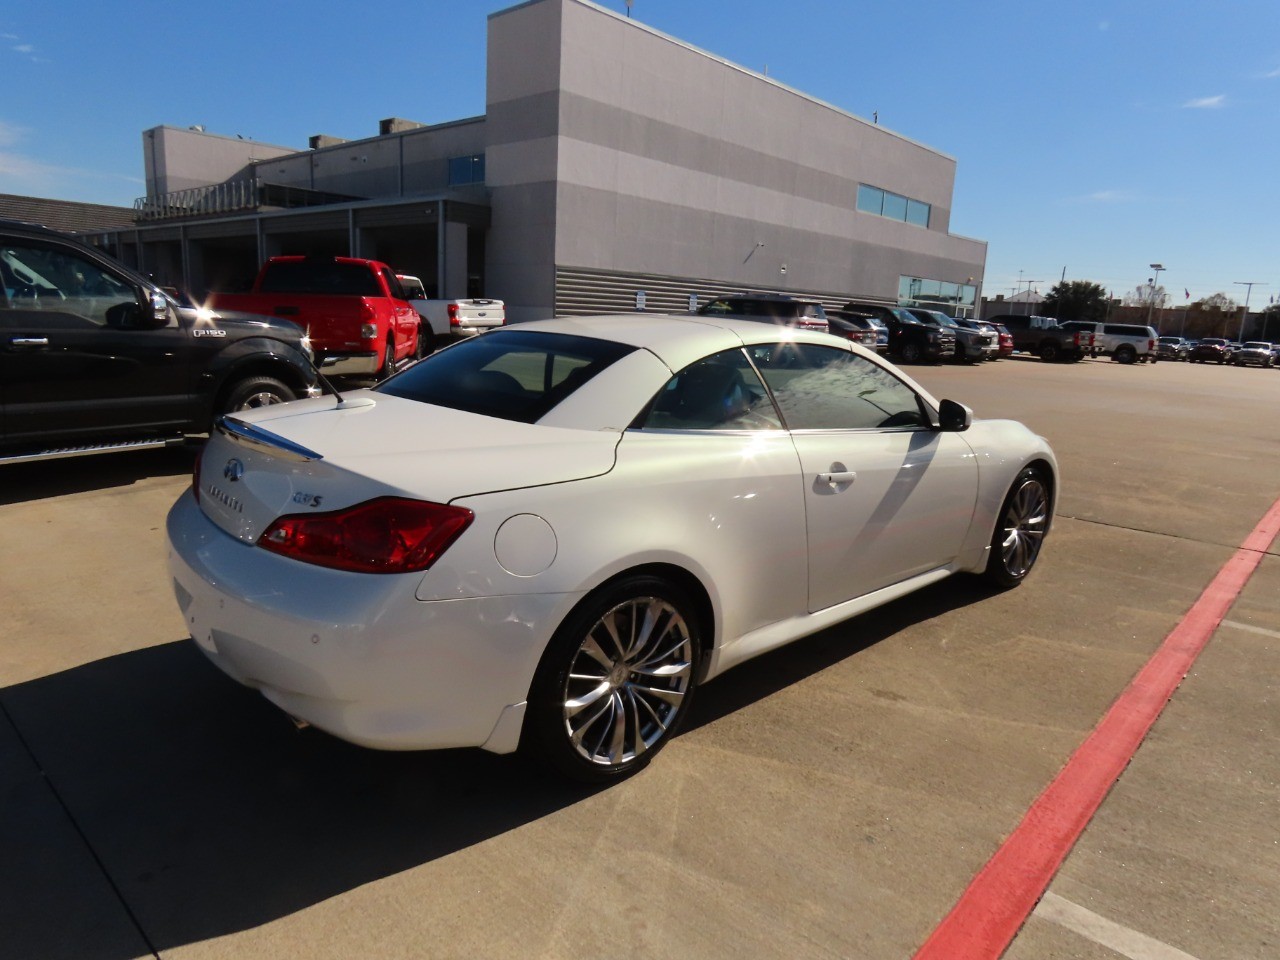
1043 337
96 358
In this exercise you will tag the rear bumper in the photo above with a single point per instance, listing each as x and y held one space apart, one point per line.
358 655
349 364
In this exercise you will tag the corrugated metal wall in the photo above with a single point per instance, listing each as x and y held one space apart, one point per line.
582 292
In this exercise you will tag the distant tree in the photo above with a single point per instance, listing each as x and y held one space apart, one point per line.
1146 295
1076 300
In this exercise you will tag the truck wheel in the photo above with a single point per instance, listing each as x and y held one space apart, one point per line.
388 361
254 392
910 353
1125 354
426 341
1049 352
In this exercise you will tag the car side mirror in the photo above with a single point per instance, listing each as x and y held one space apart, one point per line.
954 417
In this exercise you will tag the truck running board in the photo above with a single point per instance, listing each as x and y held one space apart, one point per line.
58 453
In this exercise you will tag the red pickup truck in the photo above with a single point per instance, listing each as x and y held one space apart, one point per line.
354 310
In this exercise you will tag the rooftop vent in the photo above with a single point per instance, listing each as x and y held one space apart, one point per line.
397 125
321 140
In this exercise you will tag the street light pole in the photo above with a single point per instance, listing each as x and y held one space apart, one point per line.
1151 301
1248 289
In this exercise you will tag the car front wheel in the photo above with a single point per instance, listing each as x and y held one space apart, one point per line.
616 680
1020 532
910 353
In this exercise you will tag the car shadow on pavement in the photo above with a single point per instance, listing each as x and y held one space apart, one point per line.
763 676
210 813
39 480
152 793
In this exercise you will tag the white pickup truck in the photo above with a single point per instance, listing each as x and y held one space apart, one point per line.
444 321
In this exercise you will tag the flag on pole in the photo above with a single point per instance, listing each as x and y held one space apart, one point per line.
1187 292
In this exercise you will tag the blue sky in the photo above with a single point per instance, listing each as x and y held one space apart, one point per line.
1096 136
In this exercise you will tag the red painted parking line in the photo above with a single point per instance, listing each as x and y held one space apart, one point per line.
1001 897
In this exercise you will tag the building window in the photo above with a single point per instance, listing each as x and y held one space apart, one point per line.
465 170
953 299
892 205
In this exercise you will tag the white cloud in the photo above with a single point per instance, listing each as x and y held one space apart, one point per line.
1105 196
1206 103
10 134
25 48
1271 74
1104 26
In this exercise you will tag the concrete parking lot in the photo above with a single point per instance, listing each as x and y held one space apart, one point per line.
832 799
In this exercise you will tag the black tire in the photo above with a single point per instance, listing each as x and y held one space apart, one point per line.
426 343
598 710
388 361
1049 352
910 353
1020 529
1125 354
252 393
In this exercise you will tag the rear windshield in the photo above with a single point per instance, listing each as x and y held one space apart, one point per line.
320 276
764 307
509 374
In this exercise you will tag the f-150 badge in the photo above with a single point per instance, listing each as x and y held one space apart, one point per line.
208 332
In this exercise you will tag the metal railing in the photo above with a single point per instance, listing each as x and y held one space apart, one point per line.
229 197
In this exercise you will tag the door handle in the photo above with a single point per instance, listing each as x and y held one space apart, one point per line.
838 477
28 341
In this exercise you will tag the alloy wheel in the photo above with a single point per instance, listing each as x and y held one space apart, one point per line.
627 681
1023 527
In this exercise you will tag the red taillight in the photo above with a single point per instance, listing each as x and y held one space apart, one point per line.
386 535
453 315
195 477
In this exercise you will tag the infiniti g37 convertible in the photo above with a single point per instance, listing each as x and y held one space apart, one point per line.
548 536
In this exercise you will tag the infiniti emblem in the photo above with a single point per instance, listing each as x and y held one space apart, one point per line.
233 471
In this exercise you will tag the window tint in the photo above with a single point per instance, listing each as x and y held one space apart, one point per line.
70 288
720 392
512 375
464 170
826 388
320 276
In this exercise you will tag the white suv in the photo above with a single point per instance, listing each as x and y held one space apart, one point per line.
1122 342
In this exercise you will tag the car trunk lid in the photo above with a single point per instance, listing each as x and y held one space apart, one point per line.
313 456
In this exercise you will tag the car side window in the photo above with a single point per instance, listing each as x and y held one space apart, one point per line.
719 392
826 388
71 288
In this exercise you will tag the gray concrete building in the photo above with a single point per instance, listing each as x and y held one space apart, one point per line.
611 160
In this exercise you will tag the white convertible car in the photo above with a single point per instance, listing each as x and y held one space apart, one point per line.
548 536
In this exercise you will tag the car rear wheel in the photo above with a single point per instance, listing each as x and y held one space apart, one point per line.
1125 355
1049 352
616 680
255 392
1020 532
388 361
426 344
910 353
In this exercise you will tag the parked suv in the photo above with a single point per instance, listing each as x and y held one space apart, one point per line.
869 332
769 308
1042 336
95 358
1173 348
910 340
1122 342
1255 352
970 344
1210 350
